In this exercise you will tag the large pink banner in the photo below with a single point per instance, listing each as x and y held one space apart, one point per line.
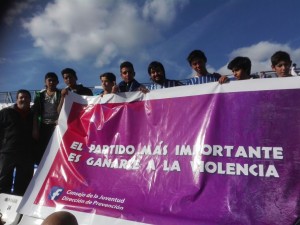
213 158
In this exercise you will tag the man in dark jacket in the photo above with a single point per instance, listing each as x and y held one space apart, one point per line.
128 82
16 145
70 78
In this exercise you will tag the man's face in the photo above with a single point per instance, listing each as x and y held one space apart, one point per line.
51 83
282 69
157 75
106 84
23 101
199 66
69 79
240 74
127 74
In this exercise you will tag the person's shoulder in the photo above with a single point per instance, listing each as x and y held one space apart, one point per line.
190 81
86 88
8 109
58 92
88 91
135 85
39 93
82 90
178 83
173 82
122 83
215 74
136 82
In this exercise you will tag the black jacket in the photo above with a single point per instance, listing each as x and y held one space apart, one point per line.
15 132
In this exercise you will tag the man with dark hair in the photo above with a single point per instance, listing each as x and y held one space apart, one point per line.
108 83
157 75
281 64
241 68
16 146
70 79
197 61
129 83
45 113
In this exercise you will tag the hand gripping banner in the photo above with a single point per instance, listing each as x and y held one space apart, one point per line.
203 154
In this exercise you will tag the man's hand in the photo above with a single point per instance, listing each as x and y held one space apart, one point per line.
223 79
143 89
115 88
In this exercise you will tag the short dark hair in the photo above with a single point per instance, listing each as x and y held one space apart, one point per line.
155 65
280 56
195 55
60 217
69 71
23 91
126 64
110 76
240 62
51 75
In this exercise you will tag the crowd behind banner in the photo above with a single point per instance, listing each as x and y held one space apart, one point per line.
26 130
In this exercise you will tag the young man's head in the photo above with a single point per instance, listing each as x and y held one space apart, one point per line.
51 80
197 61
69 76
240 67
156 71
127 71
108 80
281 63
60 218
23 99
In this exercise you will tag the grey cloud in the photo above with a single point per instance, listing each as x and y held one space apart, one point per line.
16 10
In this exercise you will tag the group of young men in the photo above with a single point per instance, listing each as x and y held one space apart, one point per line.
240 67
25 131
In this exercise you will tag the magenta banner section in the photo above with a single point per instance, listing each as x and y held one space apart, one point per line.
224 158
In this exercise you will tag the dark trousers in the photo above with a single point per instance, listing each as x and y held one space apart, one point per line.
46 131
24 172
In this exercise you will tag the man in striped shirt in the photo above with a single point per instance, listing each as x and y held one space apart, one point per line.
197 61
157 75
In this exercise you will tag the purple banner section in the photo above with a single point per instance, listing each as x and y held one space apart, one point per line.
230 158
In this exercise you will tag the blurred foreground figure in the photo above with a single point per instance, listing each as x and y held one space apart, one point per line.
60 218
1 221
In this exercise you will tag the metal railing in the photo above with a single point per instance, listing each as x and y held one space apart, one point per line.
10 96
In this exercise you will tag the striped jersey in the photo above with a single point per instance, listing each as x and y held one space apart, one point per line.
166 84
203 79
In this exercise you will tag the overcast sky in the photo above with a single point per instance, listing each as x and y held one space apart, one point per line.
95 36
